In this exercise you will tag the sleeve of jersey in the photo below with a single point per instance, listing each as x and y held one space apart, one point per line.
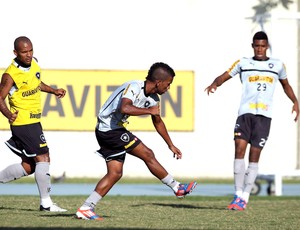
282 72
131 91
234 69
156 100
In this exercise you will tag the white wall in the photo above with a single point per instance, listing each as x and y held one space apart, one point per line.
203 36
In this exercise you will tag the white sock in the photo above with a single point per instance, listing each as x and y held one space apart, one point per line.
91 201
250 176
46 202
239 174
12 172
171 182
42 178
239 193
245 196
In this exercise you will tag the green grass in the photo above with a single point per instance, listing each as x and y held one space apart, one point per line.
152 180
153 212
129 180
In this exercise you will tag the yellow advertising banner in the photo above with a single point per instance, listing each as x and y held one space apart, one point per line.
87 90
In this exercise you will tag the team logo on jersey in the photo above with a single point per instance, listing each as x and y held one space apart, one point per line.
125 137
147 103
42 137
271 65
38 75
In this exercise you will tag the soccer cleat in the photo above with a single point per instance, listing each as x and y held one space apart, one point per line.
184 189
240 204
87 214
52 208
233 202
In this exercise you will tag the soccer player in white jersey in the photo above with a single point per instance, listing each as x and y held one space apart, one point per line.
258 75
133 98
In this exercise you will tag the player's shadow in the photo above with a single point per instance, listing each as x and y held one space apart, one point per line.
67 228
58 215
23 209
187 206
65 215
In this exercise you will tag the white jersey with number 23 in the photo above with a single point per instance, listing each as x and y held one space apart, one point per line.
259 79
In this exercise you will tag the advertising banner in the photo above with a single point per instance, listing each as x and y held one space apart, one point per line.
87 90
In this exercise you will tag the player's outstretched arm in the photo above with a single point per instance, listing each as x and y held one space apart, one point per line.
60 93
217 82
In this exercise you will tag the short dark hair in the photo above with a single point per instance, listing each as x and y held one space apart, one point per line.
20 39
152 76
260 35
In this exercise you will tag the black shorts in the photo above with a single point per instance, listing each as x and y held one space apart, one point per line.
252 128
28 140
115 143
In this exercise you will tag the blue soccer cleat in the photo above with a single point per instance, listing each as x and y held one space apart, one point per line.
233 202
240 204
184 189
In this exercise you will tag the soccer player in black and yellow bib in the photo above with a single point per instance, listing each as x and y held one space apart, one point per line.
21 83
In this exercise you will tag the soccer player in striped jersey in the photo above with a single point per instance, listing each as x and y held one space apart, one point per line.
259 75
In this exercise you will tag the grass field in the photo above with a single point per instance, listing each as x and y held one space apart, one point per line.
151 180
152 212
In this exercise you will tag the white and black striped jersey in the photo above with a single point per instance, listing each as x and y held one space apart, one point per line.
259 79
109 116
